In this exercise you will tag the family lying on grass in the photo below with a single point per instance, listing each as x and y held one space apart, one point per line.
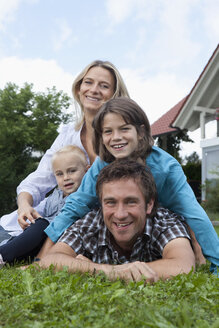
128 228
120 129
129 237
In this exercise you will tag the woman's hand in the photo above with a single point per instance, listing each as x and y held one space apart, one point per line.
25 213
25 210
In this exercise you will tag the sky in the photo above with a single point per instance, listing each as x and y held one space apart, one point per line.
159 46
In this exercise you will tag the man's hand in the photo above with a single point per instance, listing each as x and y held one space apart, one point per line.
27 213
134 271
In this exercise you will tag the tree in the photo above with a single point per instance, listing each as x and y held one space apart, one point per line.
192 170
192 167
193 158
211 188
28 126
173 143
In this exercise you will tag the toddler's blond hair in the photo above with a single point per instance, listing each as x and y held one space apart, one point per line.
71 149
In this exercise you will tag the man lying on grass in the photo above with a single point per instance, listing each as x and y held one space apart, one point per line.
129 238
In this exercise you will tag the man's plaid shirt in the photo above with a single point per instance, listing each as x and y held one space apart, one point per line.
90 237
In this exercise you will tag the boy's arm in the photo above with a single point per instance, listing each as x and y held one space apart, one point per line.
175 194
178 196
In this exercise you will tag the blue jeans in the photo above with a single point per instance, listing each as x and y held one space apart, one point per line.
27 244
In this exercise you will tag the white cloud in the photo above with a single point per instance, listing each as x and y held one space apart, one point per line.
157 94
7 11
63 35
118 11
175 36
42 73
210 11
170 44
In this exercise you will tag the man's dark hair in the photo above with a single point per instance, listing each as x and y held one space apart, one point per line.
122 169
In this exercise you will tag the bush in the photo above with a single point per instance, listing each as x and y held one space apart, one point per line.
192 170
211 188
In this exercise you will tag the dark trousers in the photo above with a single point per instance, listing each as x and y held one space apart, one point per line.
4 235
27 244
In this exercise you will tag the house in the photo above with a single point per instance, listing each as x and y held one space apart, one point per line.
199 107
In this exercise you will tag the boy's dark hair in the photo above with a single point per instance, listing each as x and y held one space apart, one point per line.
122 169
131 114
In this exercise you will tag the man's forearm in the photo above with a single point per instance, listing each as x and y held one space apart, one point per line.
178 258
135 271
170 268
60 260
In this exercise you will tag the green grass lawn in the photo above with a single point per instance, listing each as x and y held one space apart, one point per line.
37 299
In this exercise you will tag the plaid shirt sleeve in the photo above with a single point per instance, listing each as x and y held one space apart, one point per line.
168 226
77 235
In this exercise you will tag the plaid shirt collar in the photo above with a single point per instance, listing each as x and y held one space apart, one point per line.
104 233
148 247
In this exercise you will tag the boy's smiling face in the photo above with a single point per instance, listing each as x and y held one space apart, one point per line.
120 138
69 170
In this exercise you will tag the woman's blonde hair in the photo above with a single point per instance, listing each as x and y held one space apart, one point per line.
132 114
119 91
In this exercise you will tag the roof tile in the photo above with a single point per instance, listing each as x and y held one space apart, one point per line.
163 124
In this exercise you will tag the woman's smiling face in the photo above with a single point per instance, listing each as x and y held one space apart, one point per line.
97 87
